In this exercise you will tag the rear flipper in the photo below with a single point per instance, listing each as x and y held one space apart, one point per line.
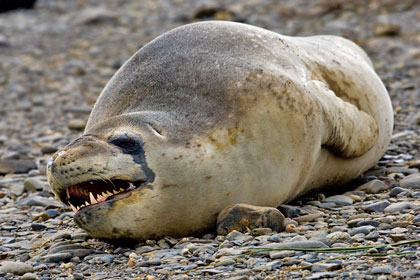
348 131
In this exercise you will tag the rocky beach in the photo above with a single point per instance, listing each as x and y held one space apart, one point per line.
55 59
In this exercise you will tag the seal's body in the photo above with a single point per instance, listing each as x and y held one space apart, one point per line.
216 113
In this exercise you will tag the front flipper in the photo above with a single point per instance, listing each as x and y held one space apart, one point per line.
348 131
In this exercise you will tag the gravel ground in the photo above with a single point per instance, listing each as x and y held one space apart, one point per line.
56 58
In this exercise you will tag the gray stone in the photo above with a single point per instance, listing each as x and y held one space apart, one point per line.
416 219
107 258
399 206
363 229
368 223
372 187
37 200
17 268
338 236
33 184
321 275
55 258
153 262
29 276
233 217
8 166
395 191
225 263
290 211
308 218
341 200
281 254
377 206
411 182
383 269
326 267
76 124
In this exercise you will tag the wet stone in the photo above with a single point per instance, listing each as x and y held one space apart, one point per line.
29 276
363 229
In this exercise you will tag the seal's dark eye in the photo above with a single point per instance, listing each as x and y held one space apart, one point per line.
126 143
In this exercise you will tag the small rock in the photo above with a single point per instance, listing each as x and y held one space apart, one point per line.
55 258
8 166
411 181
377 206
37 226
384 269
107 258
290 211
281 254
386 29
225 263
326 267
48 149
76 124
364 229
17 268
239 217
395 191
29 276
308 218
39 201
153 262
33 185
368 223
338 236
52 213
341 200
399 206
416 219
261 231
372 187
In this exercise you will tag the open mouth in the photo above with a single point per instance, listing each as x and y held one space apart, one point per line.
93 192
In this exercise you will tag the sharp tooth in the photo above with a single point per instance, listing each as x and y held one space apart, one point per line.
109 193
92 198
121 189
78 207
99 196
104 194
67 193
132 187
87 203
73 208
91 182
115 191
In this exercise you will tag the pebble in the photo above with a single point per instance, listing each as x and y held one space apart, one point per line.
55 258
308 218
372 187
377 206
341 200
338 236
411 182
399 206
395 191
29 276
363 229
33 185
76 124
384 269
17 268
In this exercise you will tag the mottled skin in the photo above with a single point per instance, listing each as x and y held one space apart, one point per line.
226 113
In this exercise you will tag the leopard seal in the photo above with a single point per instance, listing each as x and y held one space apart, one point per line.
216 113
